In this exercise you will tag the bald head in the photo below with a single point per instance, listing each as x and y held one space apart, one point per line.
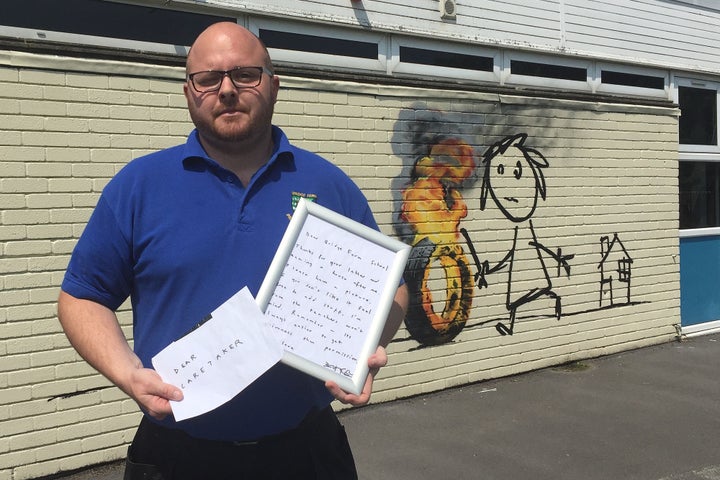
221 39
233 121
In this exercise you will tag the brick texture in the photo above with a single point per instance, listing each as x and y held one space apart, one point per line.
612 172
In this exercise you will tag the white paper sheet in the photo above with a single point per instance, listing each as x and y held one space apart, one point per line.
326 298
219 359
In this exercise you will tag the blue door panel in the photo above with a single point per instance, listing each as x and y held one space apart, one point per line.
699 279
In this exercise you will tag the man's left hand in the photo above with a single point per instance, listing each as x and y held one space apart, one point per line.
375 362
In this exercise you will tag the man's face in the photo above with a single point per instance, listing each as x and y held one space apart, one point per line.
230 114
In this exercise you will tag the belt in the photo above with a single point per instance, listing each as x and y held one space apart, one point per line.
309 422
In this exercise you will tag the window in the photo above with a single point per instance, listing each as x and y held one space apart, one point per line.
624 270
314 45
545 70
443 60
102 23
439 58
162 30
631 80
698 101
699 194
699 175
698 119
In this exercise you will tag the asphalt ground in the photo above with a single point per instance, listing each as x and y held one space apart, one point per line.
646 414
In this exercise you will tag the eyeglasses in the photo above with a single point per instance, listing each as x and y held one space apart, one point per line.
241 77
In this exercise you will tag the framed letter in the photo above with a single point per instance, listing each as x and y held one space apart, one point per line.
328 293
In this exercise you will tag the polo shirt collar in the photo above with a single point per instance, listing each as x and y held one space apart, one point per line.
194 156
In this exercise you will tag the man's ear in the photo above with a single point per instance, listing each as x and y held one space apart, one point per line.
275 88
186 92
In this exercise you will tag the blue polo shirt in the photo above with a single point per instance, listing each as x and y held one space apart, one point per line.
179 235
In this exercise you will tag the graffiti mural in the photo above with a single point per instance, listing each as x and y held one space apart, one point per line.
614 250
433 207
513 178
447 269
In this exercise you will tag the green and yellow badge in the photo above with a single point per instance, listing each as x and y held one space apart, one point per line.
296 196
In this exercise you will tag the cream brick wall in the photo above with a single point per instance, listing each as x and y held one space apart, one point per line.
66 132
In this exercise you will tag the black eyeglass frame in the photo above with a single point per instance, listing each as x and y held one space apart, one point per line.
227 73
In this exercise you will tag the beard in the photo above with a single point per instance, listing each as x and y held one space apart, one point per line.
219 130
242 127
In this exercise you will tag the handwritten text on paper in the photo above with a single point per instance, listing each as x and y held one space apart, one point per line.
326 298
218 360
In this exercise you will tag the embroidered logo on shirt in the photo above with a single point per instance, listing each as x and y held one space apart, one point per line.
296 196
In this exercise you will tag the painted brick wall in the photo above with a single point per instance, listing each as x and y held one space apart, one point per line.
612 169
64 135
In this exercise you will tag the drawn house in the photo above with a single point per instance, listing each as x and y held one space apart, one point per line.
615 266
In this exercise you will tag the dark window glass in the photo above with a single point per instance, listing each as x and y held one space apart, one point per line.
445 59
632 80
698 116
108 19
311 43
699 194
560 72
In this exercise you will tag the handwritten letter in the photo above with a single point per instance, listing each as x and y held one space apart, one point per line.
327 295
219 359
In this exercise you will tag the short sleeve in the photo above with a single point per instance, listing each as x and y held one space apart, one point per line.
100 267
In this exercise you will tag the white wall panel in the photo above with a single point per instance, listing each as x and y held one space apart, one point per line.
654 32
661 33
494 22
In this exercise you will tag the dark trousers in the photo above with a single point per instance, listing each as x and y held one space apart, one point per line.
317 450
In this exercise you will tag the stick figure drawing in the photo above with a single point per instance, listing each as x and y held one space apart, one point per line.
513 178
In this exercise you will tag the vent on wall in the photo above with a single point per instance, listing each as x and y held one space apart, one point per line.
448 9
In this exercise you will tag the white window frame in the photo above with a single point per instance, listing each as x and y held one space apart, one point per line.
396 66
328 31
600 87
699 232
703 231
509 78
80 39
699 152
388 61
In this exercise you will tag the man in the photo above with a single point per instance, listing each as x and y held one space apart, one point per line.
179 232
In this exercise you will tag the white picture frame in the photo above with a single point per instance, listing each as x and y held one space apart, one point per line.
328 330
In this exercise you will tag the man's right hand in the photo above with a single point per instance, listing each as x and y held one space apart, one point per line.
94 331
151 393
